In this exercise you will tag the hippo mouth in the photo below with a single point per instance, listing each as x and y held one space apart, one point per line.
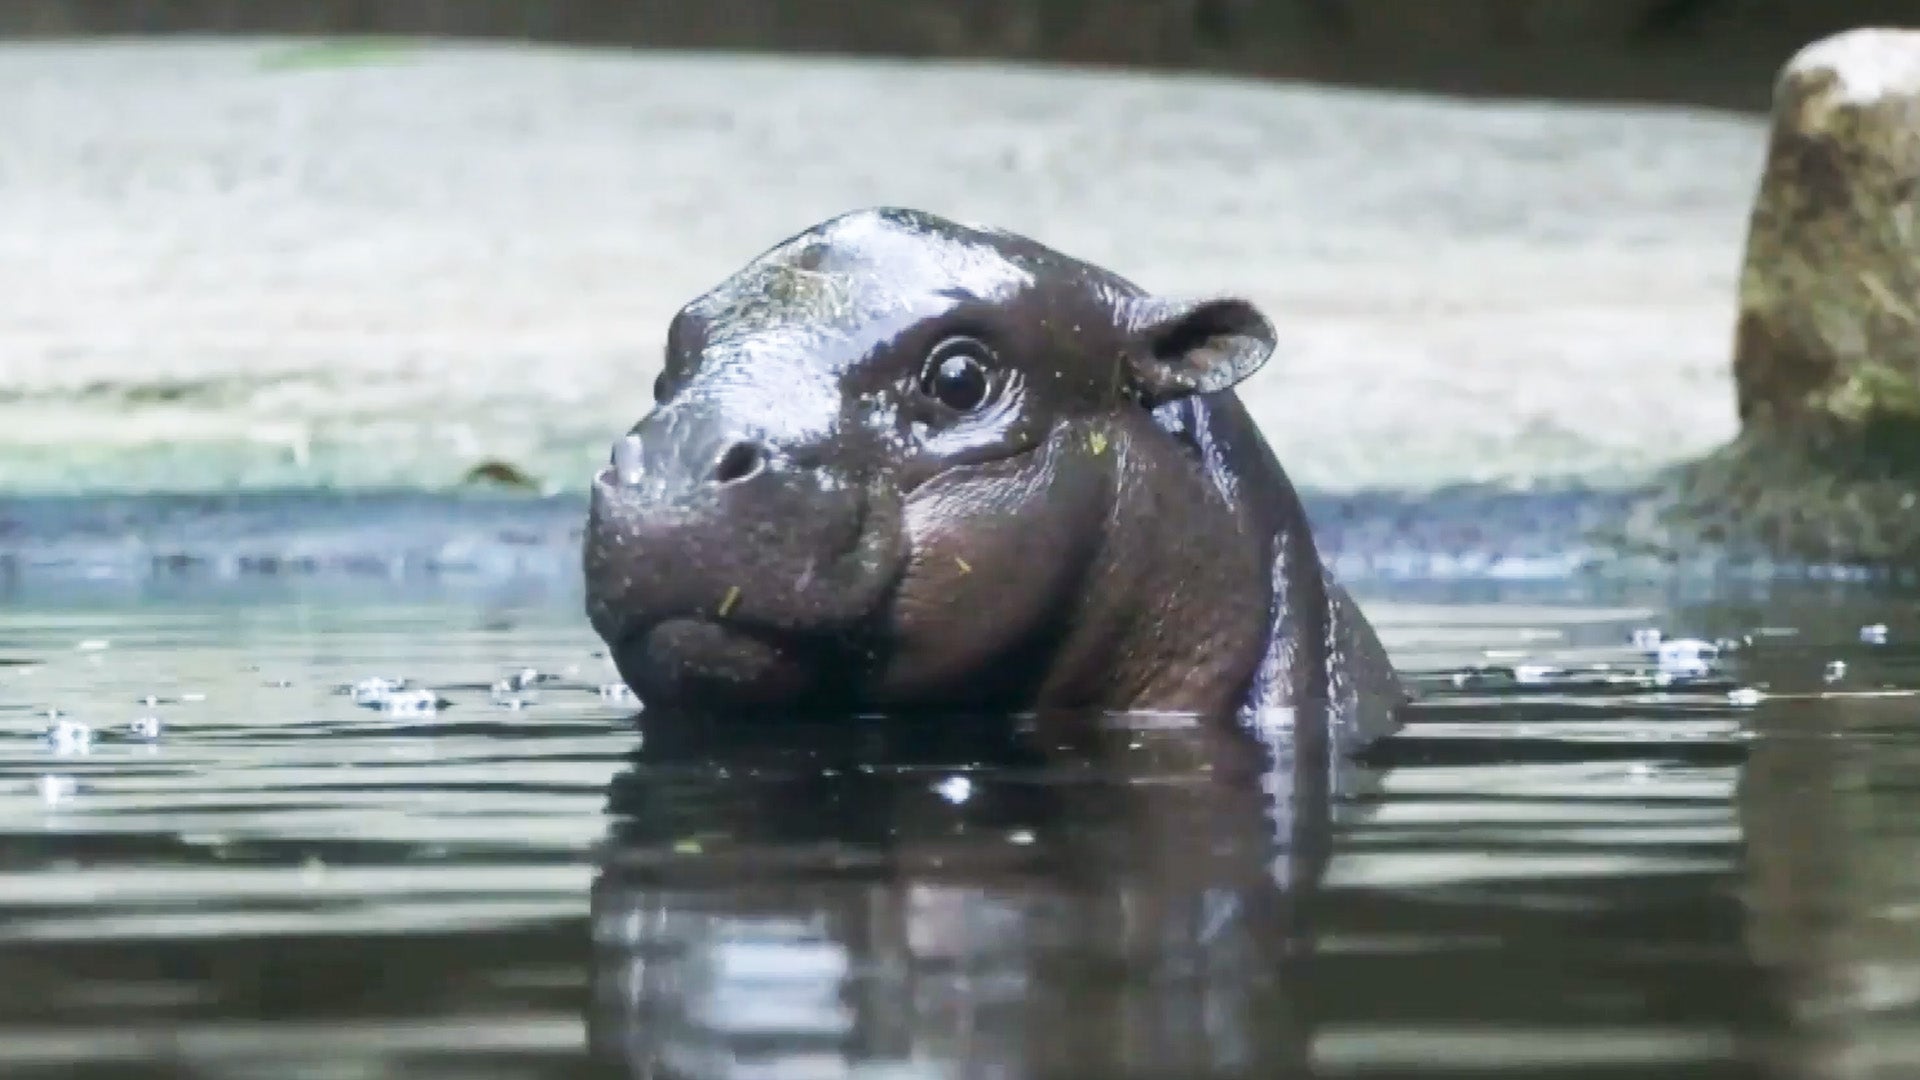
742 605
686 659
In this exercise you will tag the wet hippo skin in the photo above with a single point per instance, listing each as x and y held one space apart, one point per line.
900 463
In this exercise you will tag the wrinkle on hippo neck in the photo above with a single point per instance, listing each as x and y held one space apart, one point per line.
1174 608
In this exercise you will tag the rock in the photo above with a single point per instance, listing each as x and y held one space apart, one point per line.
1830 291
504 474
1827 341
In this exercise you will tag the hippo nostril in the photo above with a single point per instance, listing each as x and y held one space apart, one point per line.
741 461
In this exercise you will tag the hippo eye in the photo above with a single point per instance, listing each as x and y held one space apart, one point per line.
956 374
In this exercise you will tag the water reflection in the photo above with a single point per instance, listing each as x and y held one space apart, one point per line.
978 899
1826 805
1541 877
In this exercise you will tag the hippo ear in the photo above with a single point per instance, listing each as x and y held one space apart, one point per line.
1182 347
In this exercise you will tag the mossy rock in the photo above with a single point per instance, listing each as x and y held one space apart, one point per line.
1826 358
1837 493
1829 322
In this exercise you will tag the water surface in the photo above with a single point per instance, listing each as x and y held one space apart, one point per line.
1596 874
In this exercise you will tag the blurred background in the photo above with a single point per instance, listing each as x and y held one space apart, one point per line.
1718 51
320 253
346 244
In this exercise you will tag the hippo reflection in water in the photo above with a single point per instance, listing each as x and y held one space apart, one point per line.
900 463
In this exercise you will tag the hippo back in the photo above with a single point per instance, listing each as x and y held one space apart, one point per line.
1319 645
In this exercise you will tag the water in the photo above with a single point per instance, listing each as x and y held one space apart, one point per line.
1572 874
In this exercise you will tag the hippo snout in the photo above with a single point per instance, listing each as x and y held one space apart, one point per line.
717 560
666 461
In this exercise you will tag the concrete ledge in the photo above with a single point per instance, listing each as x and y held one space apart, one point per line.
259 264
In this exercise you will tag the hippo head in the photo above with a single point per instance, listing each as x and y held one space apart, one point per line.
880 462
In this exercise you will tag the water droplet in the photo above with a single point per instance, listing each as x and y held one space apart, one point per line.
1646 638
413 703
1836 670
1743 696
954 789
70 736
93 645
617 693
1682 650
145 727
1875 634
54 789
1533 673
1686 657
1022 837
374 690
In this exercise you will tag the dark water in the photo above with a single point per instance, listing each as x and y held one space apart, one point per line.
1572 875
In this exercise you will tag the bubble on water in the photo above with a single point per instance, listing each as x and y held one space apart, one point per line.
1647 638
374 690
1686 650
1534 673
1686 657
617 693
93 645
413 703
1836 670
1022 837
954 789
1875 634
145 727
516 692
69 736
525 678
193 697
1743 696
1482 675
56 789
